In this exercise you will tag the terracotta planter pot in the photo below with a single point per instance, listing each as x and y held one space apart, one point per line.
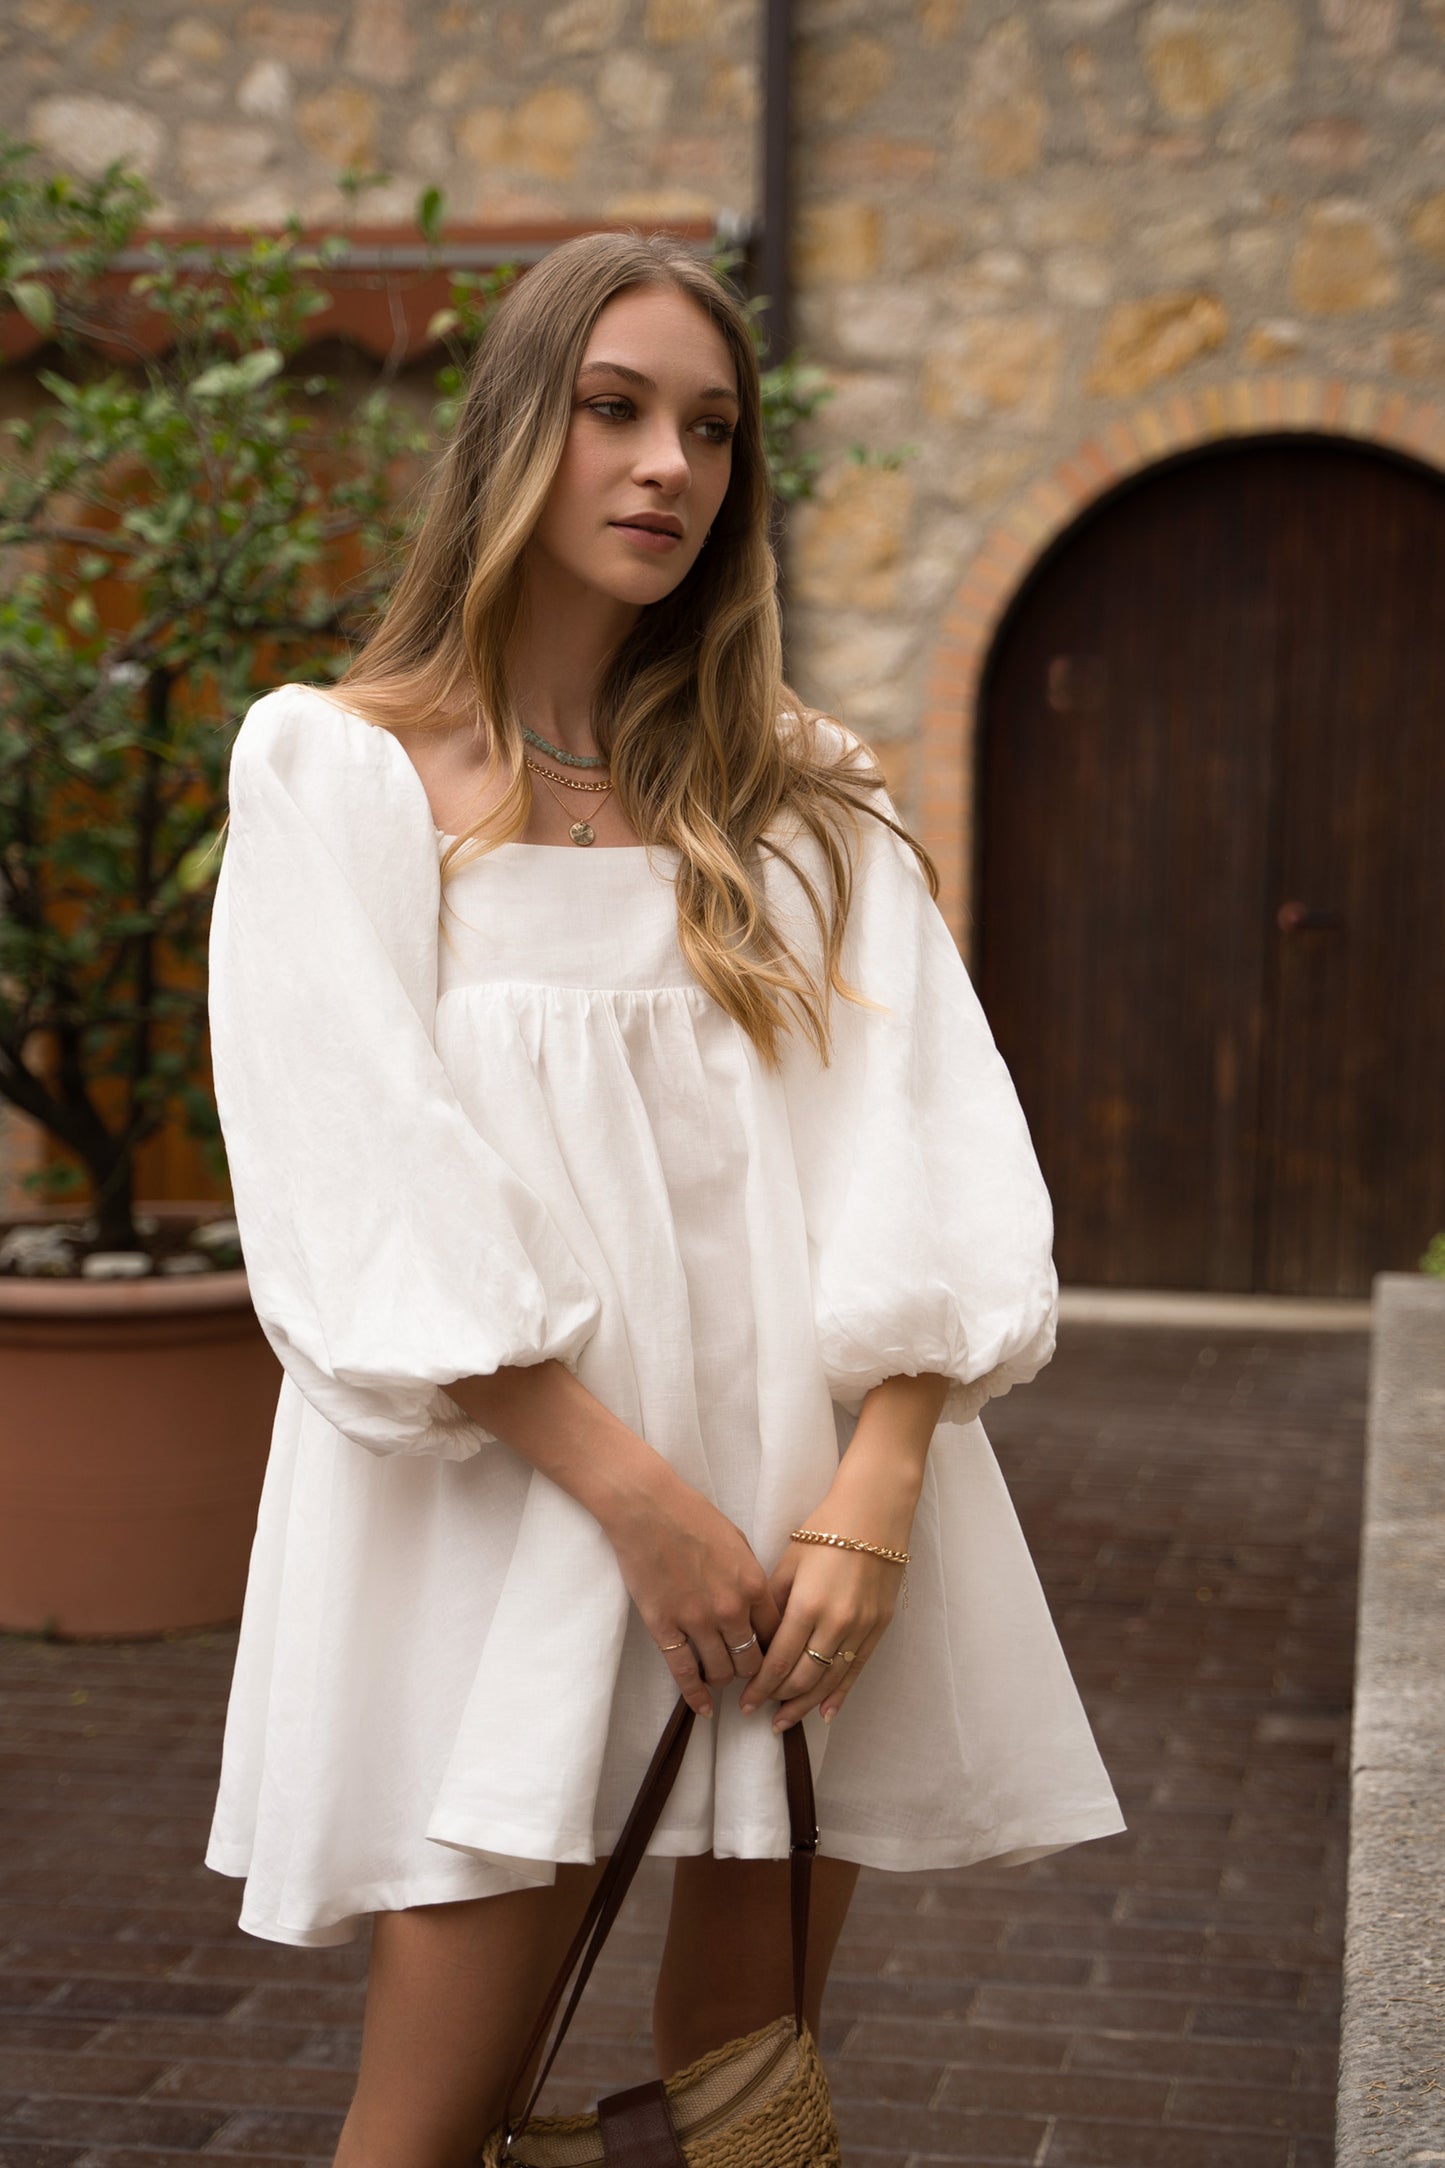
135 1418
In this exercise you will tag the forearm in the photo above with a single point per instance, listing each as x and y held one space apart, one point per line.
881 1474
548 1417
840 1599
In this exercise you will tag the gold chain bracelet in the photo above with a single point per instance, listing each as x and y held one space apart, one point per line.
855 1543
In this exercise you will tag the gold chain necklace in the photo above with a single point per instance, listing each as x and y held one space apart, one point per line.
581 832
571 781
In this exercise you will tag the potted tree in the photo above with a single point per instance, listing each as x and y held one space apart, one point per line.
191 517
170 523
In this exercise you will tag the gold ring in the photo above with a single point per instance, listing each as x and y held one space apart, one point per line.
735 1648
846 1656
826 1661
667 1647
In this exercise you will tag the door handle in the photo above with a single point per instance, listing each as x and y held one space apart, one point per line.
1298 917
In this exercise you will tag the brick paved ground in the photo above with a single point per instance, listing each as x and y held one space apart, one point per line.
1166 1999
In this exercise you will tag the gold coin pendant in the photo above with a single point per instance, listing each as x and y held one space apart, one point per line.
582 833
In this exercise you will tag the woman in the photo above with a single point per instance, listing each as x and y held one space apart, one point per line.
657 1205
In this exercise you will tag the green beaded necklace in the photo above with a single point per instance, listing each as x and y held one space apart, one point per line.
559 752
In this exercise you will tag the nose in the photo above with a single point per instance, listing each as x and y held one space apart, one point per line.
662 458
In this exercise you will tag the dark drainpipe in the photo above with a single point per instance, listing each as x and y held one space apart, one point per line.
777 203
775 226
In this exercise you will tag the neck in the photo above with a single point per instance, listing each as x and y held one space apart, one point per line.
566 635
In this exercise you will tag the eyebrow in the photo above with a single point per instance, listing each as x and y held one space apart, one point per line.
635 376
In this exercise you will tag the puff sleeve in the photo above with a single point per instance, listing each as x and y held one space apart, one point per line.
929 1227
389 1249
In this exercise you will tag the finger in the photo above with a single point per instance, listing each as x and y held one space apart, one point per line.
780 1587
843 1686
682 1663
834 1690
838 1691
789 1669
783 1654
800 1693
811 1677
713 1658
745 1649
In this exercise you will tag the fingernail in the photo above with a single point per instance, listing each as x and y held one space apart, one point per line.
747 1707
780 1723
828 1715
707 1711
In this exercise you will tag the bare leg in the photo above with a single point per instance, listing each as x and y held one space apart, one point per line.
727 1967
452 1993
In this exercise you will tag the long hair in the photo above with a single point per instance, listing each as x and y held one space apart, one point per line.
709 748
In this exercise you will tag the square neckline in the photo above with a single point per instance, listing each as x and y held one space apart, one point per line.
446 835
513 843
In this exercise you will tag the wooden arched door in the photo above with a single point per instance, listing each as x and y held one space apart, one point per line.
1212 871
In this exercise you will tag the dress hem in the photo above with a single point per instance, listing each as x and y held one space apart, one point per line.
1005 1847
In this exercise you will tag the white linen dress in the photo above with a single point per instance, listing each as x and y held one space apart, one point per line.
536 1136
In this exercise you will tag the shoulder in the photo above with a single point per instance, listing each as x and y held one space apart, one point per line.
861 819
826 746
330 846
333 762
325 802
294 726
824 741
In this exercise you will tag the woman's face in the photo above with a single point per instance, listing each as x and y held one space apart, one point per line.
649 450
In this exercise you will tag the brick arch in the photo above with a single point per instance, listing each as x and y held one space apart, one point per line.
1122 448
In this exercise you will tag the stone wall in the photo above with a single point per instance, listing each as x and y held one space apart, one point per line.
1017 224
241 110
1014 223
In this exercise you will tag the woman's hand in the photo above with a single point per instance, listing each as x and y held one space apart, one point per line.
691 1573
836 1602
693 1576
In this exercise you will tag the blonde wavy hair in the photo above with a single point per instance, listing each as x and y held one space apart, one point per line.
710 749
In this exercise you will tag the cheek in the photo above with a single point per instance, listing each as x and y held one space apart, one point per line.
576 498
718 489
720 469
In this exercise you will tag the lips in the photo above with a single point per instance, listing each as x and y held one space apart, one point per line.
652 523
652 541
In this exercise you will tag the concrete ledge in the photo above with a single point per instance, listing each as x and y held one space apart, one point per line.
1211 1312
1392 2057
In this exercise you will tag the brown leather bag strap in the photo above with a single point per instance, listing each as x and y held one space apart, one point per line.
603 1906
637 2129
616 1878
803 1832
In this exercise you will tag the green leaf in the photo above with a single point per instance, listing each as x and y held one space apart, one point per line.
35 302
197 869
56 1183
430 206
224 379
258 368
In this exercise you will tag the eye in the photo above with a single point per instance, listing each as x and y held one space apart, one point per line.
613 407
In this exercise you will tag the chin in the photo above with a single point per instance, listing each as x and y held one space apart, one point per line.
642 587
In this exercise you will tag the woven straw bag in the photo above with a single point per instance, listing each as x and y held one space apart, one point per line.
758 2102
